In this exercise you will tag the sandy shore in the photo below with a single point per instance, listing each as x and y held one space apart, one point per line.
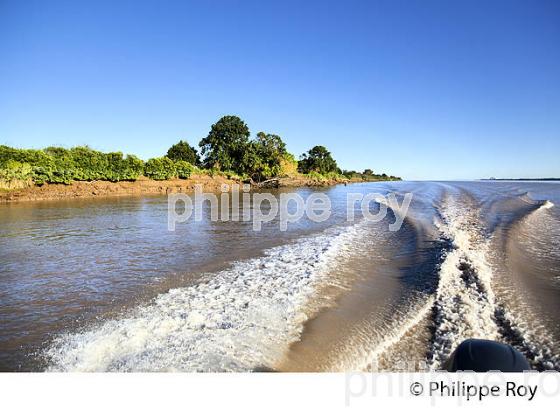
142 186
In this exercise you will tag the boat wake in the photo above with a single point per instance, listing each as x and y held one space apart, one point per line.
242 319
465 304
246 317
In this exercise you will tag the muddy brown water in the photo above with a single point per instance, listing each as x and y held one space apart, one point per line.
74 274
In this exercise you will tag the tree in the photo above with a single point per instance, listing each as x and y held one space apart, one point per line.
368 172
263 157
225 145
271 145
182 151
317 159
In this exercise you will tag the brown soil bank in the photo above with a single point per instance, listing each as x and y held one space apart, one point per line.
143 186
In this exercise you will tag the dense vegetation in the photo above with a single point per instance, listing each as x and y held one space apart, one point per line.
317 159
225 147
228 150
60 165
368 175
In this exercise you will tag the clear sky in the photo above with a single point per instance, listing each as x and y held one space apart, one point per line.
422 89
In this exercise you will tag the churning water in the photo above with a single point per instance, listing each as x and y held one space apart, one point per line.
102 285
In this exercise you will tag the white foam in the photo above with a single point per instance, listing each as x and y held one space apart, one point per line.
469 311
371 358
462 310
243 318
547 204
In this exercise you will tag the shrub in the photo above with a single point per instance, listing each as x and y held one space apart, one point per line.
123 169
61 165
14 170
184 169
84 163
160 169
133 168
335 176
315 176
31 156
288 166
234 176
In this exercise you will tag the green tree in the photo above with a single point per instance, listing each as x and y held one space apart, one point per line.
224 147
368 172
182 151
263 157
317 159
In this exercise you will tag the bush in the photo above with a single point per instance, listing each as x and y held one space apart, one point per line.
184 169
315 176
14 170
234 176
288 166
30 156
160 169
61 165
123 169
335 176
133 168
84 163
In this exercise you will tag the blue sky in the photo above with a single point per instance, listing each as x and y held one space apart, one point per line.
422 89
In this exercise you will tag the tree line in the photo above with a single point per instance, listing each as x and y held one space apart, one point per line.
228 149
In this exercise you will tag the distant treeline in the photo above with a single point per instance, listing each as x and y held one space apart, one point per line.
521 179
228 150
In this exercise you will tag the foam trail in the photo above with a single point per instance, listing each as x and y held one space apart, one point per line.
243 318
547 204
465 303
371 359
523 331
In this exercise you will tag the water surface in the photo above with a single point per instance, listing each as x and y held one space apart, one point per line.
103 285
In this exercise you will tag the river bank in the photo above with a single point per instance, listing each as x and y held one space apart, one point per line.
142 186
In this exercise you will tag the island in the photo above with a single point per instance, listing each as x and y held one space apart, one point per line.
228 155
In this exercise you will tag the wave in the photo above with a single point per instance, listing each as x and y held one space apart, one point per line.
541 203
242 319
522 326
466 305
371 360
246 317
547 204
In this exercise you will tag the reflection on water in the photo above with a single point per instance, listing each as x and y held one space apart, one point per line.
76 276
66 263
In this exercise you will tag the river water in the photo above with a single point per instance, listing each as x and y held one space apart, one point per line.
103 285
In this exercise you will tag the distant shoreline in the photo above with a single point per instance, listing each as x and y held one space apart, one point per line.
520 179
